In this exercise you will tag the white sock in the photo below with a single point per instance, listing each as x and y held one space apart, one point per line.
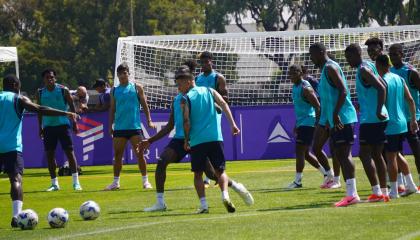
145 179
394 188
75 177
234 185
385 191
336 179
298 177
409 181
206 179
116 180
321 169
160 198
203 203
225 195
17 207
400 179
376 190
330 173
54 181
351 187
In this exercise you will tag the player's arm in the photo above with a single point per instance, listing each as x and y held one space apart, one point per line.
415 78
187 124
70 102
222 88
39 115
143 102
412 107
225 107
310 96
370 79
165 130
339 84
111 112
26 104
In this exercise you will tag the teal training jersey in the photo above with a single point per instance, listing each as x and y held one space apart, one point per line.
127 107
205 126
368 96
305 113
54 99
178 117
210 80
329 96
395 104
10 123
405 72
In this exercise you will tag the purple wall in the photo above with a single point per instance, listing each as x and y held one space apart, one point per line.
266 133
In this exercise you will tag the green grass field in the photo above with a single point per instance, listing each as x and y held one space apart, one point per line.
276 214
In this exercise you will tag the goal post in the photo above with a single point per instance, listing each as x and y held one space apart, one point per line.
255 63
9 54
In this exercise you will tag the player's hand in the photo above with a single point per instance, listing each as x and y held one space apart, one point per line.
338 125
41 133
235 130
187 146
381 116
151 124
73 116
414 127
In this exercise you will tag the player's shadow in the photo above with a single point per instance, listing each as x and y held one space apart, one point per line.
277 190
299 207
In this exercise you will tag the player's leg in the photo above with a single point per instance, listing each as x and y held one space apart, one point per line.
67 145
198 166
381 169
119 144
336 183
405 169
343 140
415 149
321 136
50 144
141 161
392 149
13 166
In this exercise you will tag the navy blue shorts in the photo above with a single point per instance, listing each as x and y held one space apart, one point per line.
209 150
343 136
128 133
304 135
177 145
53 134
412 137
394 142
372 133
11 162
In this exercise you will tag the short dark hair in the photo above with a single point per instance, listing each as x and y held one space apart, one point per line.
375 41
9 82
354 48
318 46
383 60
397 46
192 64
206 54
296 67
123 67
183 72
48 70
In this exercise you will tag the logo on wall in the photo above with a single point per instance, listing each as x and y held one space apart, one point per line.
90 131
279 135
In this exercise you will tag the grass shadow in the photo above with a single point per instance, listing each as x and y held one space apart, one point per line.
274 190
299 207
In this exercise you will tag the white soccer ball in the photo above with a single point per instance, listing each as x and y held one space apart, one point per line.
58 217
90 210
27 219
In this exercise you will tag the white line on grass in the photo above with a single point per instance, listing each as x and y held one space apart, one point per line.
102 231
410 236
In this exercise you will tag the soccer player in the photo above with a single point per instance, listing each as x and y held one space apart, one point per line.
174 152
57 128
212 79
307 110
203 134
412 80
397 94
12 106
338 113
371 94
375 47
125 123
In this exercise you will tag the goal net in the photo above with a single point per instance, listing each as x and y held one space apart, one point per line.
254 64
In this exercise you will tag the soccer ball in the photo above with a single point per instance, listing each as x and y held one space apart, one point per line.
90 210
58 217
27 219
